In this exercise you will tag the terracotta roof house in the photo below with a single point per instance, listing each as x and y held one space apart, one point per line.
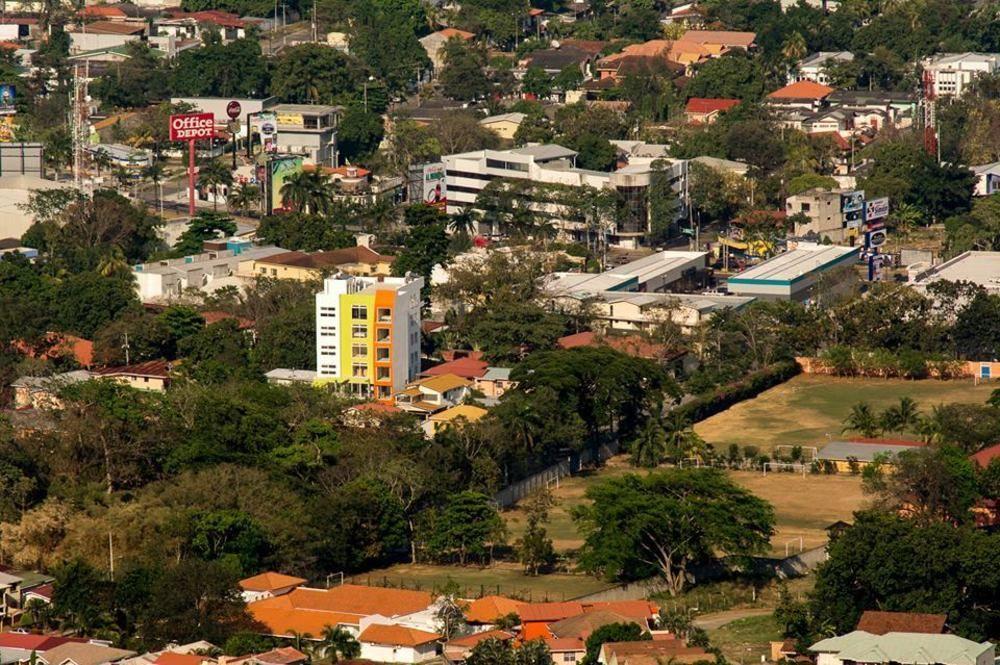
720 40
303 266
880 623
432 394
215 316
467 368
633 345
802 94
637 610
173 658
455 416
77 653
115 28
651 652
656 53
488 609
434 43
150 375
305 610
985 456
582 625
704 110
386 643
536 617
55 345
268 585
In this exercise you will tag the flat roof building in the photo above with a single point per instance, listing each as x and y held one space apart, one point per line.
791 276
653 273
980 268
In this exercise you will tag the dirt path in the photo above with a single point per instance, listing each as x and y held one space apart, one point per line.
720 619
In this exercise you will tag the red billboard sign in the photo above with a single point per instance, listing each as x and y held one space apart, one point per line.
192 126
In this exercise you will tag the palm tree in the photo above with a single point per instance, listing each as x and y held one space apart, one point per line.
546 230
337 643
154 174
308 191
113 263
650 445
243 197
102 159
862 420
901 417
904 219
682 441
463 222
215 175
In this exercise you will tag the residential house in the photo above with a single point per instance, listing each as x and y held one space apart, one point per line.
565 53
369 414
453 416
815 67
536 617
281 376
704 111
151 375
268 585
504 125
802 95
656 54
360 261
368 333
484 612
494 382
425 397
719 42
688 14
875 109
902 649
879 623
308 611
193 25
434 44
469 367
581 626
277 656
987 178
59 345
952 74
566 650
457 650
397 644
104 35
17 647
86 653
650 652
853 454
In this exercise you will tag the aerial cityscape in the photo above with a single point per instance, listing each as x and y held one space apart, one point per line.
499 332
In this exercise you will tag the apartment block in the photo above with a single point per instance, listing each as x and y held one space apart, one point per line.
468 174
368 333
951 74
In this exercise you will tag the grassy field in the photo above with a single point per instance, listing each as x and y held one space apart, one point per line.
505 579
803 505
806 409
746 640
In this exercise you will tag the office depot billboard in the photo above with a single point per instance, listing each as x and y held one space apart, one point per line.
192 126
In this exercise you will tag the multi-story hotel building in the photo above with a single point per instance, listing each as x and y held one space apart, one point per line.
368 333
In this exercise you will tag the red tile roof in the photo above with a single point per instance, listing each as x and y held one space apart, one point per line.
159 369
114 28
986 455
467 368
565 644
802 90
448 33
475 638
30 642
105 11
282 656
880 623
395 635
270 581
549 611
490 608
59 344
214 316
171 658
633 609
704 105
888 442
632 345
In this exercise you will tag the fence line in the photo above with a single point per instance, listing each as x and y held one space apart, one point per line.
516 491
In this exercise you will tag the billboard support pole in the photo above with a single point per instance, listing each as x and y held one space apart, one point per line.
191 177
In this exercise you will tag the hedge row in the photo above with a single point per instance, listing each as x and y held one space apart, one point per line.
882 363
720 399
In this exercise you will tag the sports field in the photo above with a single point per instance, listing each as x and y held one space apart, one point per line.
804 505
804 410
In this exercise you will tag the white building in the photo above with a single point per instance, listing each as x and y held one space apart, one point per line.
652 273
814 67
902 649
368 333
791 276
393 643
163 280
987 178
950 74
980 268
468 174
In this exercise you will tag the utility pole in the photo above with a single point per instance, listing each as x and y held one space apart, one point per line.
111 556
126 345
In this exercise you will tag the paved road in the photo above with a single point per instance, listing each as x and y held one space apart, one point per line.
720 619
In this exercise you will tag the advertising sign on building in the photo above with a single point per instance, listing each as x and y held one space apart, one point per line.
852 201
876 209
852 219
192 126
281 169
267 127
875 238
427 184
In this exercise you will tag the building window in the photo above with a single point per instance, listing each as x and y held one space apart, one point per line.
359 312
359 371
382 335
328 310
359 331
359 351
382 355
382 373
806 207
384 314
